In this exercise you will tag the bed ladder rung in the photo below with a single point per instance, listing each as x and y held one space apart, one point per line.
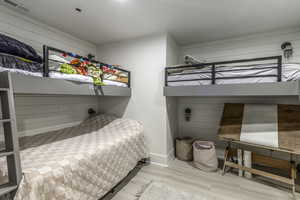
4 89
5 120
6 153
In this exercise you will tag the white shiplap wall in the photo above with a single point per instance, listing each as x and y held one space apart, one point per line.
251 46
36 114
206 112
145 57
37 34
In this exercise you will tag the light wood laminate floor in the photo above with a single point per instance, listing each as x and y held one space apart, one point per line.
183 176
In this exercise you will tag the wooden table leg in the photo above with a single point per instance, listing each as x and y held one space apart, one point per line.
225 159
293 176
248 162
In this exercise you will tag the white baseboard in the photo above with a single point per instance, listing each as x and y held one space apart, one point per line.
159 159
46 129
171 155
162 160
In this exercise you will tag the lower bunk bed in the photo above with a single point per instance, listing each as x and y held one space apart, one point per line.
80 162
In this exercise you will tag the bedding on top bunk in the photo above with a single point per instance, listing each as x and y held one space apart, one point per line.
63 76
18 63
81 162
113 74
68 65
290 72
18 57
14 47
22 66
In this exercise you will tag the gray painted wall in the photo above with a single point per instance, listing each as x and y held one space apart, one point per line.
172 58
37 114
251 46
146 58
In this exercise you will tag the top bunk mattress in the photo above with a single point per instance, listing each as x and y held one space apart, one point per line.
58 75
81 162
26 67
290 72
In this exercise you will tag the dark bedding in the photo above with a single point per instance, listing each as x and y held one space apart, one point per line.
14 47
13 62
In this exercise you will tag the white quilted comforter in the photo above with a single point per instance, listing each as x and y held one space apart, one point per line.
82 162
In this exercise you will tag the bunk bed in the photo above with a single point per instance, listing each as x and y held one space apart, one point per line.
95 163
80 162
63 73
266 76
248 127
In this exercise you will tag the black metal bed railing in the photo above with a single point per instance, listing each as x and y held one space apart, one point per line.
212 69
46 69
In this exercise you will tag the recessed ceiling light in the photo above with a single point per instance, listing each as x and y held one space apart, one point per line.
78 10
121 1
14 5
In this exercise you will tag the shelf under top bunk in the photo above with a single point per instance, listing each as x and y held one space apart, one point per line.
291 88
22 84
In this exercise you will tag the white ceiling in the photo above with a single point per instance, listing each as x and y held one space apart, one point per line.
189 21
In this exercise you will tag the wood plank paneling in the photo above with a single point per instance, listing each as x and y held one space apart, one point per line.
270 162
289 127
231 123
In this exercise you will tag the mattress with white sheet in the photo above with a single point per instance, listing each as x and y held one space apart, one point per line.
81 162
115 83
290 72
63 76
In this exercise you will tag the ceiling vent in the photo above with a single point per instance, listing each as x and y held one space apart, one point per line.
14 5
